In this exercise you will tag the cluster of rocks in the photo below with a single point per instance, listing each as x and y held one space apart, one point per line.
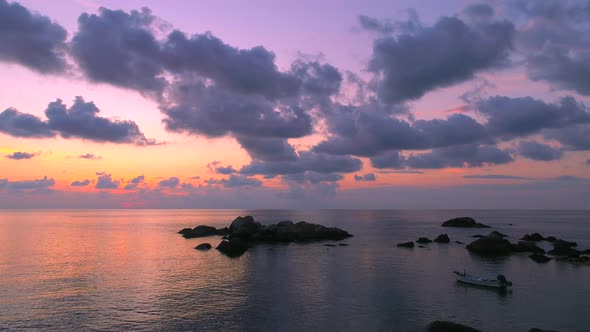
495 244
446 326
245 232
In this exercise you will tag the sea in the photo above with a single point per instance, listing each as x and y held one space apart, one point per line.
129 270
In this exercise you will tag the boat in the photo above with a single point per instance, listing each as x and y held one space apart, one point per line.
499 282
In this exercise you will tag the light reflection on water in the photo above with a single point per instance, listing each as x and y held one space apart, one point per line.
128 269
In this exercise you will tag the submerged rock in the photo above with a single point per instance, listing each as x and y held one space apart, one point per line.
563 248
444 326
343 244
233 248
498 234
526 246
423 240
490 245
459 242
406 245
535 237
203 246
443 238
201 231
463 222
539 258
329 245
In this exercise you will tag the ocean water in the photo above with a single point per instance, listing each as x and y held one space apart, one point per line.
129 270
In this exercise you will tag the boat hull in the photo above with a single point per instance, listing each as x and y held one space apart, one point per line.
474 280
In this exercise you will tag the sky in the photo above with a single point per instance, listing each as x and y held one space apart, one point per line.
295 104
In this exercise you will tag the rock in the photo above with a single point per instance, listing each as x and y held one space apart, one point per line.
563 248
535 237
329 245
201 231
203 246
539 258
587 251
423 240
463 222
477 235
490 245
550 239
526 246
443 238
343 244
498 234
233 248
406 245
459 242
244 227
444 326
540 330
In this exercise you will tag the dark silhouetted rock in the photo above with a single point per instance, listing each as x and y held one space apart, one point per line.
459 242
550 239
244 227
477 235
587 251
203 246
201 231
406 245
443 326
535 237
539 258
540 330
563 248
490 245
443 238
343 244
329 245
463 222
526 246
233 248
498 234
423 240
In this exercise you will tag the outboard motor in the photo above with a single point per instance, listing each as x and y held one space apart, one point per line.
502 279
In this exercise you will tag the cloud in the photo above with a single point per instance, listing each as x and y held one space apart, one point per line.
511 117
171 183
215 167
22 155
495 177
400 172
555 41
389 159
451 51
575 138
236 180
538 151
15 123
81 120
119 48
470 155
83 183
89 156
313 177
479 11
37 184
268 149
30 39
365 177
105 181
135 182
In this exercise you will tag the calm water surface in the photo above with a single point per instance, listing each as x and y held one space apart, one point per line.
130 270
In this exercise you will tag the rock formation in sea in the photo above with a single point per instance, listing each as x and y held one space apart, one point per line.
490 245
443 238
466 222
445 326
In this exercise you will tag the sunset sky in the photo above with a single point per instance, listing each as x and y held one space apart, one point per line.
294 104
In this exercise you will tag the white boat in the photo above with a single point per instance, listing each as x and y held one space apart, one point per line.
498 282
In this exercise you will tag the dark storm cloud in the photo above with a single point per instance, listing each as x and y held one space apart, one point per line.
373 24
15 123
512 117
208 110
268 149
479 11
538 151
250 71
89 156
43 183
135 182
83 183
371 134
30 39
22 155
236 180
306 161
365 177
389 159
409 65
556 42
470 155
81 120
317 79
119 48
215 167
171 182
573 138
495 177
105 181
